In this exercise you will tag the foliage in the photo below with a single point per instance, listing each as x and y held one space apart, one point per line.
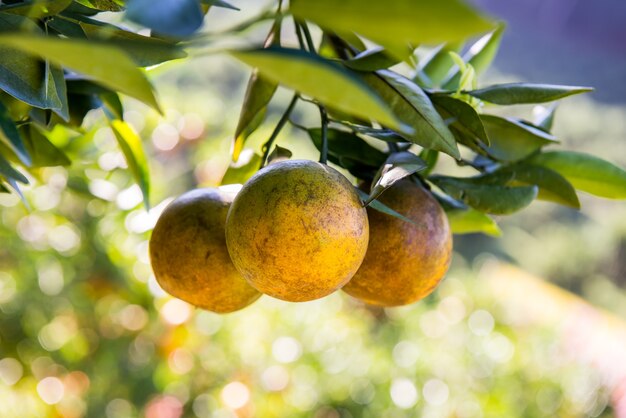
65 61
77 300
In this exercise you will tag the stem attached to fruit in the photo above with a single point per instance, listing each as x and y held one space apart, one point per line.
279 126
324 150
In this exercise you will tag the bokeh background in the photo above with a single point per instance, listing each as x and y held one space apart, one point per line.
530 324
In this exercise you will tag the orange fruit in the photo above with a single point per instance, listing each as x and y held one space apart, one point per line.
404 261
189 256
297 230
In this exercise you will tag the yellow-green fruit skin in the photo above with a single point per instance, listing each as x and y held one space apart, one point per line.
297 230
189 255
404 261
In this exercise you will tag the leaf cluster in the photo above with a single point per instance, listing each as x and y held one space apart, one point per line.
396 98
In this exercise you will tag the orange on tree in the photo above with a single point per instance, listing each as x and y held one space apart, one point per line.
405 261
297 230
189 255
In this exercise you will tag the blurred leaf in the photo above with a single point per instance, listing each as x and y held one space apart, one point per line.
545 118
430 157
240 173
11 173
469 221
347 145
412 106
586 172
552 186
258 95
66 27
170 17
56 79
11 137
398 166
321 79
435 67
393 23
130 144
383 134
465 115
43 152
219 3
479 56
521 93
144 50
105 64
104 5
279 154
486 197
371 60
36 9
24 76
113 105
381 207
511 140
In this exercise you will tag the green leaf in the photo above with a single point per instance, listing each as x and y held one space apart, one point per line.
430 157
486 197
104 5
56 77
107 65
479 56
398 166
413 106
24 76
545 118
43 152
321 79
383 134
258 95
371 60
219 3
436 66
11 137
586 172
36 9
11 173
240 173
381 207
130 144
279 154
465 115
511 140
469 221
394 24
552 186
144 50
178 18
342 144
522 93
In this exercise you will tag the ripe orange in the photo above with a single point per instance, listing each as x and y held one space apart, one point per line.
189 255
404 261
297 231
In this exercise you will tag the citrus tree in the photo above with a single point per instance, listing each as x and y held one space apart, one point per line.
384 113
400 107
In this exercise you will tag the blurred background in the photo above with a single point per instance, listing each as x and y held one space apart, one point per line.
531 324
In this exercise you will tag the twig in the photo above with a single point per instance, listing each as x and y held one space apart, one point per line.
324 150
279 126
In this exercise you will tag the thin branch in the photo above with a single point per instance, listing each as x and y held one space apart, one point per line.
279 126
307 35
324 151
